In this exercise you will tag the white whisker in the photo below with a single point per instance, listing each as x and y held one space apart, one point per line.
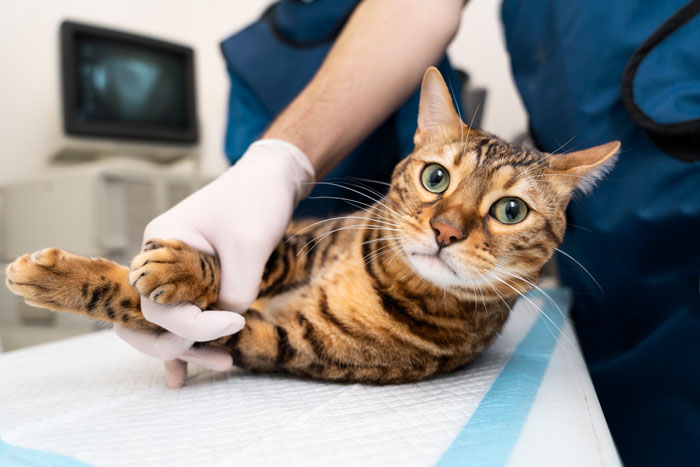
357 204
539 309
320 238
536 287
341 217
581 266
361 194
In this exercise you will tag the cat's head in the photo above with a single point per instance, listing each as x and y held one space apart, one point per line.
476 211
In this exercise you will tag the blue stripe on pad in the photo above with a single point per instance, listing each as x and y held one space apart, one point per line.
489 436
15 456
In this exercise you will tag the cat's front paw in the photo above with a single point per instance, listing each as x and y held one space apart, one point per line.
169 271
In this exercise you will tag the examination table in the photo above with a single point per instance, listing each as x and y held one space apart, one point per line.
527 400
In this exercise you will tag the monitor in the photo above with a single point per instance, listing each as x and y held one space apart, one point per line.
122 87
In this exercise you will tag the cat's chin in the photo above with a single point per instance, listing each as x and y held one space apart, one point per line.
442 271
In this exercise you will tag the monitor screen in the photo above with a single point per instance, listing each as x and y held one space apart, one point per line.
126 86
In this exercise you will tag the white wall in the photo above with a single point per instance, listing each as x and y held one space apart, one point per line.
30 119
479 48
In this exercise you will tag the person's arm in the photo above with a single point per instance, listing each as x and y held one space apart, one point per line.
376 63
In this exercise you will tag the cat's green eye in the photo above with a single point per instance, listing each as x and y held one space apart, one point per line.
435 178
509 210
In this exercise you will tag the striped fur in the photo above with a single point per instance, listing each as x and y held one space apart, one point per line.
367 297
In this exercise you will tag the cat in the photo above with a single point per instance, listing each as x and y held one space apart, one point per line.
415 284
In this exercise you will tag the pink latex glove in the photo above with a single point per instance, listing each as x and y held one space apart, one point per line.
241 217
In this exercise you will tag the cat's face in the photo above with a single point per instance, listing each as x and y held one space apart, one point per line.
476 211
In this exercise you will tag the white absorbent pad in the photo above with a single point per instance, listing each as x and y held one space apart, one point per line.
527 400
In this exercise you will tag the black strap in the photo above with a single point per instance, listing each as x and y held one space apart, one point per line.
681 140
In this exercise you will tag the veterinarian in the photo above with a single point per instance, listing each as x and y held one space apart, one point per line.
589 71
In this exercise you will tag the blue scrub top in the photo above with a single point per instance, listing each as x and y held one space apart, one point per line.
592 71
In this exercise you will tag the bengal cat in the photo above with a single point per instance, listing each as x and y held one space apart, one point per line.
416 283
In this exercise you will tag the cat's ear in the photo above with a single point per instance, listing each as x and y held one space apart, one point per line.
581 170
436 113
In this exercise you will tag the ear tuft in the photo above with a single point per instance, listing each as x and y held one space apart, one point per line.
581 170
436 111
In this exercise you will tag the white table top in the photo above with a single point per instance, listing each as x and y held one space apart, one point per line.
95 400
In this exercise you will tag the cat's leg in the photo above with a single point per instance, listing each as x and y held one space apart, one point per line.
169 271
300 343
270 344
93 287
321 333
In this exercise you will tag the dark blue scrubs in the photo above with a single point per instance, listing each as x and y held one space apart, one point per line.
592 71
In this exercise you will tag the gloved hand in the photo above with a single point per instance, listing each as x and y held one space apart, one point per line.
241 217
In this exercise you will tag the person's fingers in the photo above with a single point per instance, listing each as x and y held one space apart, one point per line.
175 373
208 357
190 322
237 301
165 346
239 288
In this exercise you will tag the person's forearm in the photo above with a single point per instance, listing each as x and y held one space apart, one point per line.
375 64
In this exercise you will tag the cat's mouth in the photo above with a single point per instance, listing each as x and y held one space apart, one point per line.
443 268
435 268
435 260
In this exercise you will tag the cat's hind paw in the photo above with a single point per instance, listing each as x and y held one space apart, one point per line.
55 279
170 271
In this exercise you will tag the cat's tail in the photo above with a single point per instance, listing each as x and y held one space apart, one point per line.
92 287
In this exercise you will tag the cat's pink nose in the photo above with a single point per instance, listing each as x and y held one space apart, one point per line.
445 233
